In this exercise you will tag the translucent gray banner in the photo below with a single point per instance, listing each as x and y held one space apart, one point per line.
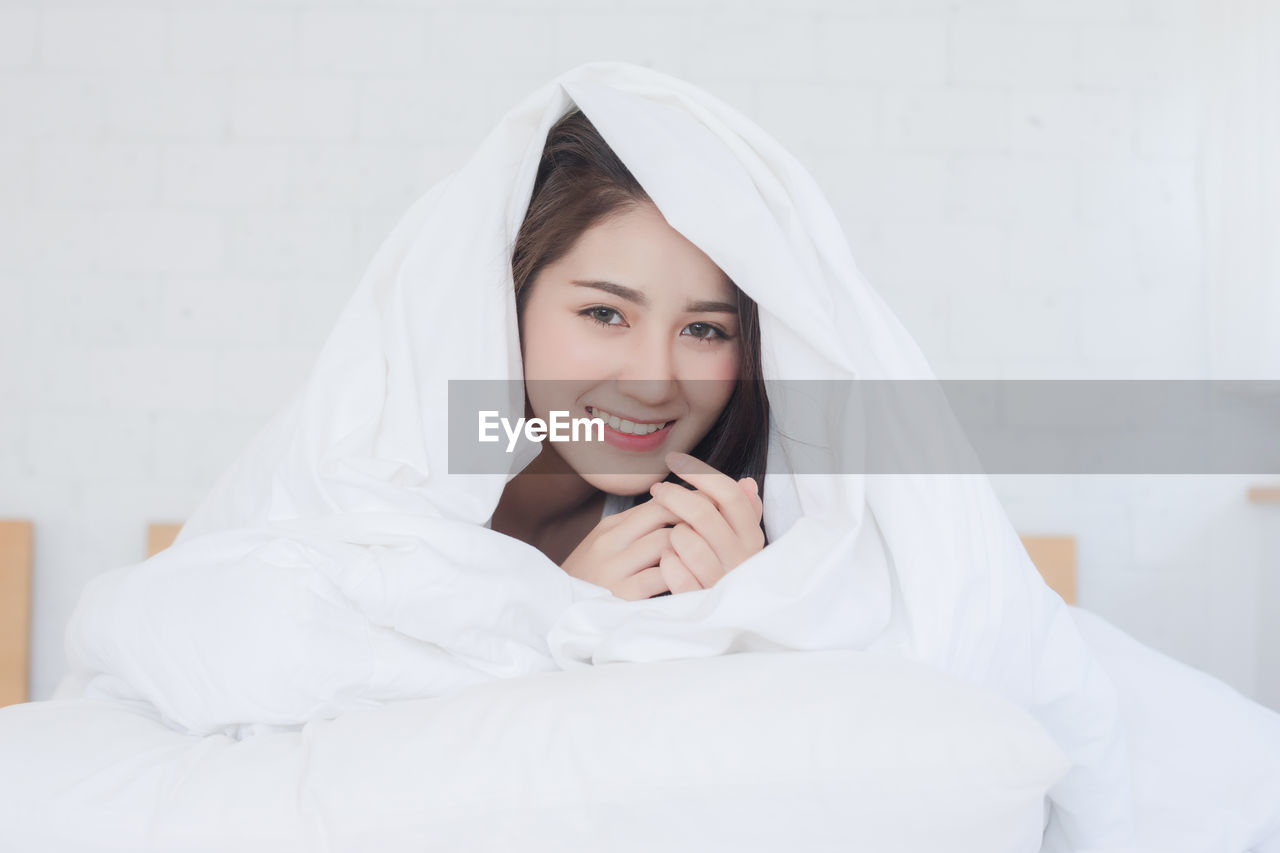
905 426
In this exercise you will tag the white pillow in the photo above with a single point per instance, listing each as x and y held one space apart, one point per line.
746 752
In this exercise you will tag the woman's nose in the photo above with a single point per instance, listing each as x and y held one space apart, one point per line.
649 375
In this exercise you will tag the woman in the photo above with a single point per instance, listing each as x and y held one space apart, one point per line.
694 372
346 559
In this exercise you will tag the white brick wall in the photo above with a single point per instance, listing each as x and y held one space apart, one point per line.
188 192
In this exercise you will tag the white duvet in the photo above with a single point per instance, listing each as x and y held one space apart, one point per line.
807 751
339 567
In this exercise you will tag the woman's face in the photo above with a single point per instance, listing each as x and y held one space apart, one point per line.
634 322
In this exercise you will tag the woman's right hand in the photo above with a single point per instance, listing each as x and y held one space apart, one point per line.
623 551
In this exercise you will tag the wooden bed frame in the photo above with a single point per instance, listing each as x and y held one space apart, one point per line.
15 610
1054 556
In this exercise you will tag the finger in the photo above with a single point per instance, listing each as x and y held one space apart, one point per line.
738 510
697 555
700 513
676 574
631 524
644 552
752 491
643 584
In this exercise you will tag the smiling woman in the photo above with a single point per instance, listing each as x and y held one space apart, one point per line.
623 318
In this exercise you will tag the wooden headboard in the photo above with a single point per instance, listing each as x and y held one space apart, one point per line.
160 535
1055 557
15 611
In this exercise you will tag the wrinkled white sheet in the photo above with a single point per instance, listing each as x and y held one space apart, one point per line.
338 565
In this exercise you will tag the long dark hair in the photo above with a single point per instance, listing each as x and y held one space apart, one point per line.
582 182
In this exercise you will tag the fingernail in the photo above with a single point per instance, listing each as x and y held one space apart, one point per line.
677 461
755 487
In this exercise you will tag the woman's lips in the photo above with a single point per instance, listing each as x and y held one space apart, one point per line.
633 443
593 411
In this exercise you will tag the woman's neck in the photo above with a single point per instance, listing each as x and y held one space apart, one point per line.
546 502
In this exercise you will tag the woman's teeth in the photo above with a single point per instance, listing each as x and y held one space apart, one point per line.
623 425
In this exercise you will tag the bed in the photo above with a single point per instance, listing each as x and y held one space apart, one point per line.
807 751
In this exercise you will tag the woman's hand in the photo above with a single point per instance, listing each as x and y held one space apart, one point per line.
622 552
718 524
681 540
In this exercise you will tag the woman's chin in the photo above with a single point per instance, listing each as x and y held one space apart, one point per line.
625 485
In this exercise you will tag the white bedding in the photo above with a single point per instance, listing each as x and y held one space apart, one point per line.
1206 760
751 752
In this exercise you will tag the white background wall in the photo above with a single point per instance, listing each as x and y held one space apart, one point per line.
189 191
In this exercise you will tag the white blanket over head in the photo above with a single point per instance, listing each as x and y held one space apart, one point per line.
338 564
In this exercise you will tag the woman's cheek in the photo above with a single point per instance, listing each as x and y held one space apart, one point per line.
723 367
585 356
726 371
727 367
563 353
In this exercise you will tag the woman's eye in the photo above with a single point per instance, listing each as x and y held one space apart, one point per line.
602 314
707 332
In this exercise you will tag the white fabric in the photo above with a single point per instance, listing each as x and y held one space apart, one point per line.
338 566
1206 760
83 775
841 750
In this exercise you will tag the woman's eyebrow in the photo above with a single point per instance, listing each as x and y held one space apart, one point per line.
710 307
703 306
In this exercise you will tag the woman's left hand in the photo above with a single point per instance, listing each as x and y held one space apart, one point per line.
719 527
